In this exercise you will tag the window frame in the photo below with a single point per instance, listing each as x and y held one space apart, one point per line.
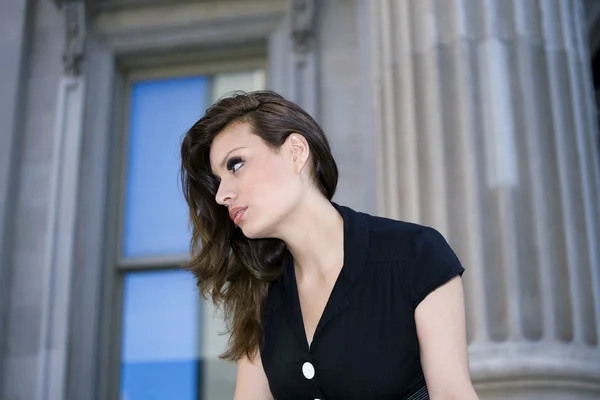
97 294
120 265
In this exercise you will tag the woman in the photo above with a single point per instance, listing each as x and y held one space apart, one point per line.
321 302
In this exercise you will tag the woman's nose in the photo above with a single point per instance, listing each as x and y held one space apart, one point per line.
225 194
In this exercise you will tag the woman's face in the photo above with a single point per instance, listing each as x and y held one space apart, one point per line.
259 186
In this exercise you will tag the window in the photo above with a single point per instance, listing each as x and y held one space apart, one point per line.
169 339
161 350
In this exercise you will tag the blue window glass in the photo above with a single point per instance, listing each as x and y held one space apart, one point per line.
161 111
161 337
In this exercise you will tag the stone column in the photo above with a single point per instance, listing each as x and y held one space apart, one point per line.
486 129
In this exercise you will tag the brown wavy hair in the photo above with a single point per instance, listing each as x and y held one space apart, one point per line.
233 271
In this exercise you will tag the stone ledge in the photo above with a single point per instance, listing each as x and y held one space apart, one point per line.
161 26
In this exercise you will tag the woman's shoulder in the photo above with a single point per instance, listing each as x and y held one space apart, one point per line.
422 257
398 228
391 239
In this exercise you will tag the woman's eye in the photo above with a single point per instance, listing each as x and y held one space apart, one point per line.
234 164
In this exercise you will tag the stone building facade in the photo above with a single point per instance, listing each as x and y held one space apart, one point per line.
475 117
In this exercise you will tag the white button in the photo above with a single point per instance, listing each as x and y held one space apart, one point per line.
308 370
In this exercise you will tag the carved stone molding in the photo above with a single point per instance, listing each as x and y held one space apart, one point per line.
303 24
75 36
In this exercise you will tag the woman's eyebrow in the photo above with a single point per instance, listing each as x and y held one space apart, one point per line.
222 164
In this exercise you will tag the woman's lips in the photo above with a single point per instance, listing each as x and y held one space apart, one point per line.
236 214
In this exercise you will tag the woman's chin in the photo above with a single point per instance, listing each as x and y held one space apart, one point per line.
251 232
248 232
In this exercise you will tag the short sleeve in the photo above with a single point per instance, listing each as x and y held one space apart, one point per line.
430 263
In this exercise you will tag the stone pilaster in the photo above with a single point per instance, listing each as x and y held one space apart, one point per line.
486 130
58 265
14 42
293 56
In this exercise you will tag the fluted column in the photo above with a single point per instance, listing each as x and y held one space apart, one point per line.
486 129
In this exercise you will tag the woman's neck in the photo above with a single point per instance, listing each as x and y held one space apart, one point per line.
314 235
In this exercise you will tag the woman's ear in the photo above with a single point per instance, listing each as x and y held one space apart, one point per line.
300 151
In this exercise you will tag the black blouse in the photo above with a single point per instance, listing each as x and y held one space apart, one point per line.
365 345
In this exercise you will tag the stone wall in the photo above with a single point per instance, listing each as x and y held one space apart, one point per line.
40 31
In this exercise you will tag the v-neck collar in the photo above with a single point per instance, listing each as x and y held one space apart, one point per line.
356 245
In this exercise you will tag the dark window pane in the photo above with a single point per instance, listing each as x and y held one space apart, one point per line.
155 220
161 337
